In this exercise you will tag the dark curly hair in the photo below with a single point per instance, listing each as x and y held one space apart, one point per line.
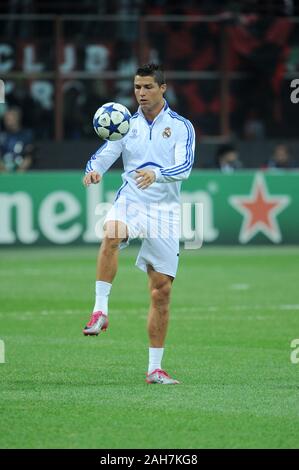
152 70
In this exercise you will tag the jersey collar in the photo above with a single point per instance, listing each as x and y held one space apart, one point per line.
163 110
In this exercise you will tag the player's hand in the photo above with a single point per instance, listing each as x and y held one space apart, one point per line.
145 178
91 178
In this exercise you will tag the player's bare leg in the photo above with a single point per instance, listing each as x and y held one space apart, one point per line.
158 318
114 233
160 288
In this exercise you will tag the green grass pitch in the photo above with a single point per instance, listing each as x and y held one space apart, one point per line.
234 313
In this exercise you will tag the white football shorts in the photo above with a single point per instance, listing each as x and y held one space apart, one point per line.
159 229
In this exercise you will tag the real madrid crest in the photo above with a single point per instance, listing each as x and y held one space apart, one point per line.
166 133
134 133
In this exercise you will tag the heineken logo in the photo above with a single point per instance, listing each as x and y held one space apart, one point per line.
260 209
239 208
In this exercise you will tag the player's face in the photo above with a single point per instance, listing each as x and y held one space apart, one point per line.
149 93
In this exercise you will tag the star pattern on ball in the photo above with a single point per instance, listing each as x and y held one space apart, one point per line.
109 108
96 122
112 127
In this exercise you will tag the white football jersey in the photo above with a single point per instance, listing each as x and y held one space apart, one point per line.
165 146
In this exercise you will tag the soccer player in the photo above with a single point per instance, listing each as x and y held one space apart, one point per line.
157 153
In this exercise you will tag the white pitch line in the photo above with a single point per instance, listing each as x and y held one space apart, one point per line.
176 310
289 307
239 286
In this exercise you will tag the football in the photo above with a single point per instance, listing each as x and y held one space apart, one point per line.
112 121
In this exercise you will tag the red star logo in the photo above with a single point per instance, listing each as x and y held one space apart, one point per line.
259 210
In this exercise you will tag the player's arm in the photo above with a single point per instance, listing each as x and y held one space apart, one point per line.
101 161
184 156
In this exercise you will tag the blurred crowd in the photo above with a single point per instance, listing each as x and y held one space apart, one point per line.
253 44
228 159
18 150
273 7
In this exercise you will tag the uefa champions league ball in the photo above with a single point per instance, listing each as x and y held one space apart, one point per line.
112 121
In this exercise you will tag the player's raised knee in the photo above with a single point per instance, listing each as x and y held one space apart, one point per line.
114 232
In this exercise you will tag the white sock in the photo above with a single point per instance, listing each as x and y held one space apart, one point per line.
102 295
155 359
